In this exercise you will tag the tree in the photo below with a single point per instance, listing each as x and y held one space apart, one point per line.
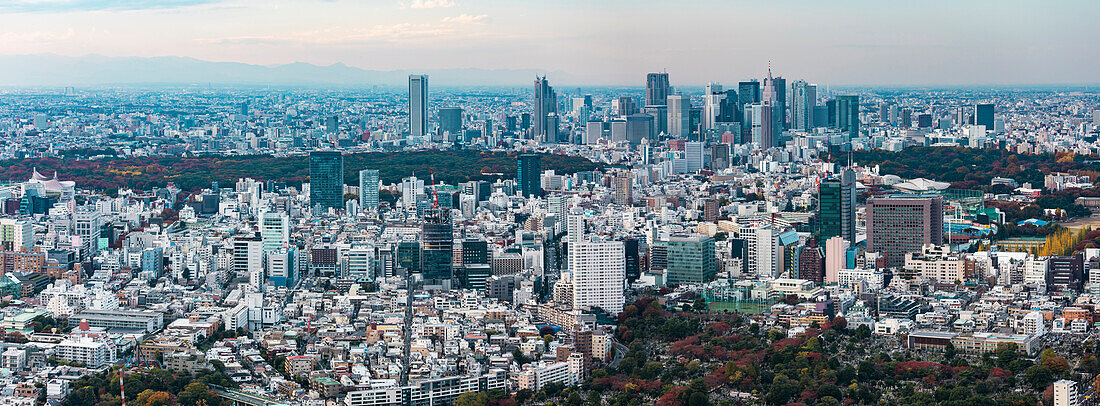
949 351
472 399
196 393
1038 376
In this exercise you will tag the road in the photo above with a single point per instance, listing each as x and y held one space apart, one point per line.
618 352
245 398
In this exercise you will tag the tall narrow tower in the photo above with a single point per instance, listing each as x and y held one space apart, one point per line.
418 107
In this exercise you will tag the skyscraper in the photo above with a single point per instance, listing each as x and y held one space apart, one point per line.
803 100
599 272
625 106
326 180
450 123
899 225
983 115
690 259
274 230
418 107
545 111
437 247
836 207
529 175
679 110
368 189
248 259
847 114
713 98
779 101
624 188
657 89
693 155
748 92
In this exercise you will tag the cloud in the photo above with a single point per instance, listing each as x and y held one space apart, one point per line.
467 19
431 4
65 6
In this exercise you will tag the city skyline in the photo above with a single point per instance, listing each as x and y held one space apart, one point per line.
845 43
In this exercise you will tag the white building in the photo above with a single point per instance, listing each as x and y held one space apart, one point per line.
599 274
1065 393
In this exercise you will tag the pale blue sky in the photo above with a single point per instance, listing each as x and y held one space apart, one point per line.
878 42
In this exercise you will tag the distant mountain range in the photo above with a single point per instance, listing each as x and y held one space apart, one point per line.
57 70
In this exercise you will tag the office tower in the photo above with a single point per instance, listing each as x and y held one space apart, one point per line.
418 108
811 263
836 207
624 188
248 259
679 110
593 131
748 92
274 230
983 115
924 120
660 117
847 114
763 125
582 107
625 106
545 111
639 127
900 225
836 258
690 259
906 118
821 116
657 89
693 155
16 234
711 210
326 180
1065 393
1066 274
450 123
1096 118
803 101
713 98
779 100
332 124
437 247
475 251
282 267
529 175
368 189
884 112
599 274
719 156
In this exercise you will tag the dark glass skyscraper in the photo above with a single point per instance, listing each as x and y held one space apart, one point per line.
436 247
545 105
779 86
847 114
326 180
529 175
983 115
748 93
657 89
450 123
418 107
836 205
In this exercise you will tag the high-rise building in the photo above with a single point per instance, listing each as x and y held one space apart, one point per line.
847 114
690 259
679 110
418 107
811 263
693 156
437 247
836 205
657 89
248 259
625 106
900 225
639 127
368 189
326 180
450 123
599 274
983 115
779 100
545 111
748 92
529 175
803 101
713 98
274 230
624 188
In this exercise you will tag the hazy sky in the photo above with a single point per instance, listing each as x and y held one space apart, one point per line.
873 42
